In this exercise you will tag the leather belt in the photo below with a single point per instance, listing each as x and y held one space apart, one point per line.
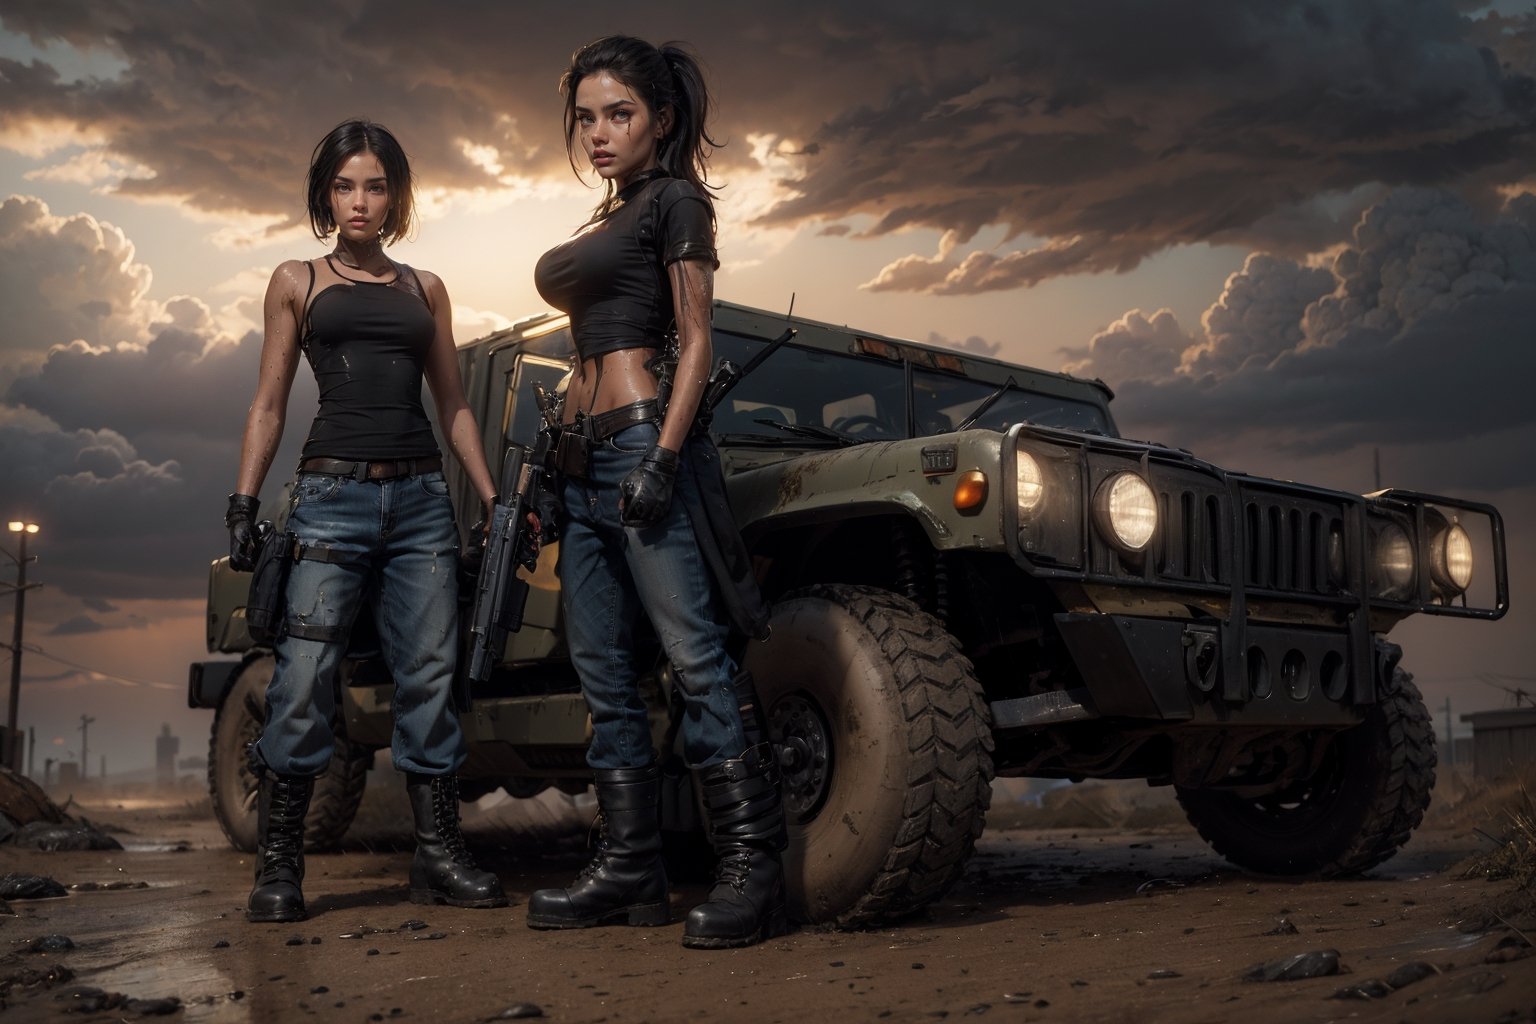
605 424
390 470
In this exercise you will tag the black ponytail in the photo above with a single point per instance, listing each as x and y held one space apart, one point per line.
662 77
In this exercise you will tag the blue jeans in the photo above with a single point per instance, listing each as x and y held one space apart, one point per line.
395 548
609 575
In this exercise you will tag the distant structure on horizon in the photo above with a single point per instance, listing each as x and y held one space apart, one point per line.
166 748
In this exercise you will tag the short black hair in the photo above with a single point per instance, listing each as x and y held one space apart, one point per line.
342 143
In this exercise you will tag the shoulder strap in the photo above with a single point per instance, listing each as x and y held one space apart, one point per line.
304 327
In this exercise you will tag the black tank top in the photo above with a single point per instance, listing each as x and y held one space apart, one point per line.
366 343
612 276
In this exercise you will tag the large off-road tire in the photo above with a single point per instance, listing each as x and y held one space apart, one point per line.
885 740
232 784
1355 812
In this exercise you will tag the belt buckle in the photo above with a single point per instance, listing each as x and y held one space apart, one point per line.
360 471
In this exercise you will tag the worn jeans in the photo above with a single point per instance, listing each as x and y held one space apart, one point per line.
396 550
609 575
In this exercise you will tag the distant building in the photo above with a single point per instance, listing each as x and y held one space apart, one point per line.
166 748
1503 742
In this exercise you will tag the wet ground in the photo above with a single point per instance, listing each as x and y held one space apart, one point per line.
1087 924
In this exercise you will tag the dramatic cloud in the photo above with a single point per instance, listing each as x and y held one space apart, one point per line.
63 278
122 445
975 343
1419 336
1225 123
76 626
1093 134
125 454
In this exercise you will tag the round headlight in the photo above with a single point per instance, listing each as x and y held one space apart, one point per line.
1031 482
1452 558
1394 557
1126 510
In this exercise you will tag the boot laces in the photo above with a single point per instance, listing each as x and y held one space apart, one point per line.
284 840
597 838
445 809
733 868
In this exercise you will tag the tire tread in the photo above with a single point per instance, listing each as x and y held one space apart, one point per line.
950 739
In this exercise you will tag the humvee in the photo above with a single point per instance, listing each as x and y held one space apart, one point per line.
971 573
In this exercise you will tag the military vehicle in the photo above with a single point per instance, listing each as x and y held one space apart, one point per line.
971 573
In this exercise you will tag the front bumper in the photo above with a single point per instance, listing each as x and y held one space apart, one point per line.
1176 671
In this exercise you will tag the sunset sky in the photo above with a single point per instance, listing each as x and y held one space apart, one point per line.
1289 235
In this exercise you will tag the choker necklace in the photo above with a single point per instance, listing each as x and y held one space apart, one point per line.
341 257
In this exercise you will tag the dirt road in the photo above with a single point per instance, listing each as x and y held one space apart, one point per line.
1062 925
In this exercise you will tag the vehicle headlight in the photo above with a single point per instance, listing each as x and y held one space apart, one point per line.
1394 558
1030 482
1126 511
1451 558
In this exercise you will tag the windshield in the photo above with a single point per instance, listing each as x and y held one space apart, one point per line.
864 397
944 401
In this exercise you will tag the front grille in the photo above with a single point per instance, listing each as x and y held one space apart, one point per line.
1273 541
1286 542
1194 534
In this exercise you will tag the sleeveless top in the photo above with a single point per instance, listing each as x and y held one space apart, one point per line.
367 343
612 276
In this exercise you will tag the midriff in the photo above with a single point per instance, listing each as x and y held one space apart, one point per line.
609 381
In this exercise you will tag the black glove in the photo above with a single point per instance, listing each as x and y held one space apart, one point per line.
549 507
241 521
529 540
646 493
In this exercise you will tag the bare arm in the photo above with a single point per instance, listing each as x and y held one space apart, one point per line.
454 416
279 359
693 291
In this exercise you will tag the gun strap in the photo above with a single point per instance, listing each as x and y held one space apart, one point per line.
311 631
326 553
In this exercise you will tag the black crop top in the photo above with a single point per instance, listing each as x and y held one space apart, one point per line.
367 343
612 276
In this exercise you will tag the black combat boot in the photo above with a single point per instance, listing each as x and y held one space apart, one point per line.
746 828
442 870
283 802
626 879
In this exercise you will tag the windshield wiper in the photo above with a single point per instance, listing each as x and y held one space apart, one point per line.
812 431
987 403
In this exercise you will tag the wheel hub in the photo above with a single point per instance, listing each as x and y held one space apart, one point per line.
800 732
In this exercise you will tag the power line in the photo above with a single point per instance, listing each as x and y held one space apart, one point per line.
1520 694
31 649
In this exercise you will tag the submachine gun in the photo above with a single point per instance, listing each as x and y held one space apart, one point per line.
500 595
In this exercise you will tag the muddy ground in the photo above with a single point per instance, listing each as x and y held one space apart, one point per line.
1119 913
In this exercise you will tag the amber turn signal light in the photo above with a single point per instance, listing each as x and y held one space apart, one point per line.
970 490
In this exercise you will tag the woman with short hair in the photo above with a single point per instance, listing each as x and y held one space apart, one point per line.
371 512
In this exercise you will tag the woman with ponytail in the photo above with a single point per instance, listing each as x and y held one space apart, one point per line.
631 464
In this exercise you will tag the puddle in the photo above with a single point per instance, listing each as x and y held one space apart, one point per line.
203 989
180 846
1447 940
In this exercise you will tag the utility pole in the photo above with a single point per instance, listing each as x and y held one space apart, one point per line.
85 724
22 529
1450 741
